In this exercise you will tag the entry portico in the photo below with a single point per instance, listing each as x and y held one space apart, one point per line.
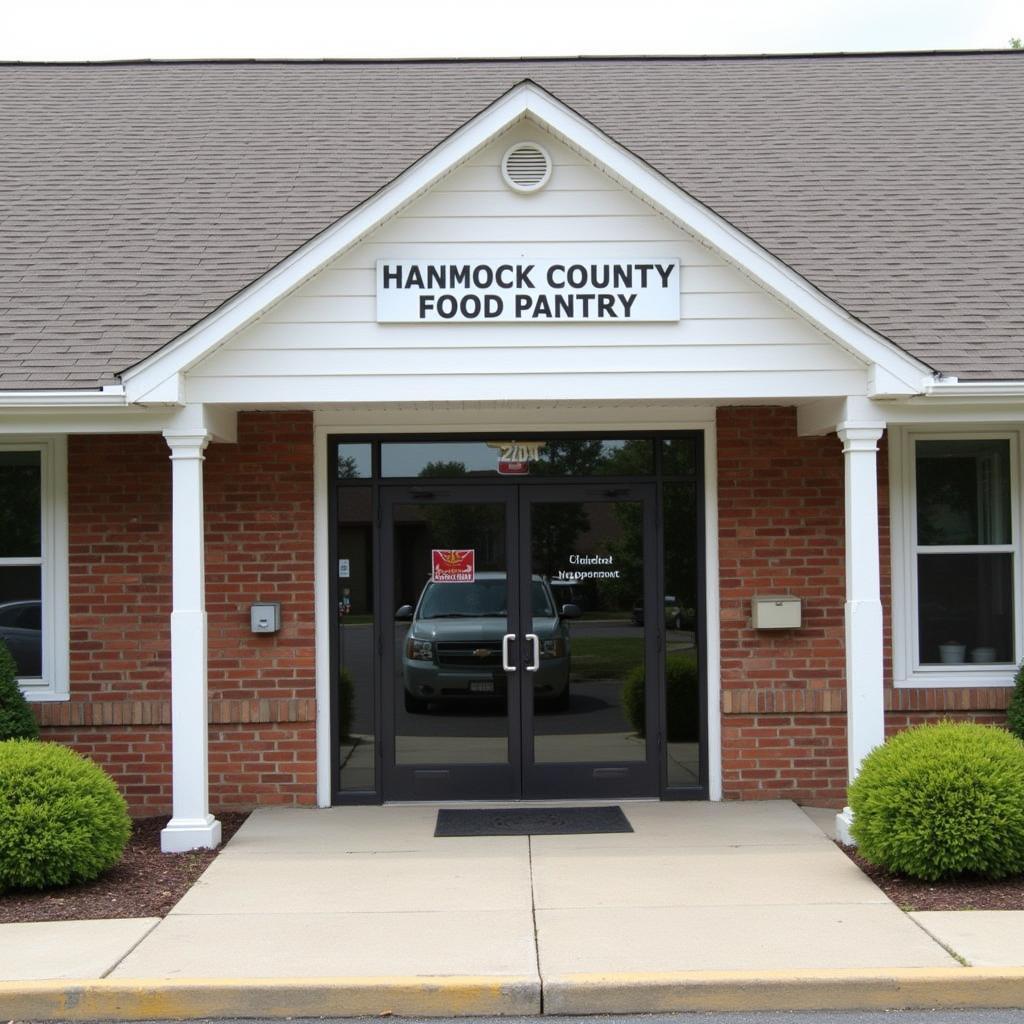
786 397
287 347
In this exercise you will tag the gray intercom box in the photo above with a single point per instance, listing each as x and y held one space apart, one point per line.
266 617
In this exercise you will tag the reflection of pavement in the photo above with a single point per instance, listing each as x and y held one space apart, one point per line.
593 728
357 763
494 750
683 764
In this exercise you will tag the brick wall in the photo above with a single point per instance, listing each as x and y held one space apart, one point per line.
781 530
259 546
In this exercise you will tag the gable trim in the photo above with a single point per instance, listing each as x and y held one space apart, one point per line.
158 378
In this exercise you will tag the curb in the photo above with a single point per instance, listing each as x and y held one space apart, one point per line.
162 999
848 989
908 988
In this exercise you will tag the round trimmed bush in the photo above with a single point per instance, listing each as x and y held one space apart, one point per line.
62 819
682 699
942 800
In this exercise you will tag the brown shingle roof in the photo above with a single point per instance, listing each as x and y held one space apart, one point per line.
135 198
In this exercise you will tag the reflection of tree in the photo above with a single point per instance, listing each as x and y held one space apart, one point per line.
348 468
556 529
454 525
568 458
679 505
19 510
632 459
628 551
444 469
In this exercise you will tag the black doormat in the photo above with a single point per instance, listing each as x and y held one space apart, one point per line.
530 821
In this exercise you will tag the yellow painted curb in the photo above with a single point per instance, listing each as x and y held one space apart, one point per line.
160 999
840 989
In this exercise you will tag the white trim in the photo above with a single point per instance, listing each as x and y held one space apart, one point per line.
907 672
158 377
327 423
952 388
712 599
111 395
321 618
53 497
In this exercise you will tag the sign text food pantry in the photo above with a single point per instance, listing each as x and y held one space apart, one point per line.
535 291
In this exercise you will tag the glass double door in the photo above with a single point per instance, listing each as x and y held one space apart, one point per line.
519 654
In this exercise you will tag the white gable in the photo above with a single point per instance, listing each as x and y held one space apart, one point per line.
322 342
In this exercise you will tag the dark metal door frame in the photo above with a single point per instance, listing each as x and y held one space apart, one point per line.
604 779
445 781
519 777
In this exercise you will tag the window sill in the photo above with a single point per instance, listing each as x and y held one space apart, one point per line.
43 695
1000 675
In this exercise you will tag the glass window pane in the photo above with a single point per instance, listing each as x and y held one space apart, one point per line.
682 656
679 456
558 458
963 492
19 505
356 723
965 608
355 461
450 691
20 617
589 692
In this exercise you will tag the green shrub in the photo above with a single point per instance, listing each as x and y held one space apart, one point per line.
943 800
1015 712
682 699
62 819
16 719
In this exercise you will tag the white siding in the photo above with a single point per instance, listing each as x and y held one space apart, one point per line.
322 343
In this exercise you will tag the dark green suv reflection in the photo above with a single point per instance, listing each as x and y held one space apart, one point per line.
452 651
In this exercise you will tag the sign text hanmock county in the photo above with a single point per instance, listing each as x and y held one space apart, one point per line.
537 291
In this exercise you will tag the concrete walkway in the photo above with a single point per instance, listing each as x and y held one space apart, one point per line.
368 893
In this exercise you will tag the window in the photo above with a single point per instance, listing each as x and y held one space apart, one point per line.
957 578
33 564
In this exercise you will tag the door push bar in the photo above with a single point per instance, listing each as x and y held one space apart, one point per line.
535 640
506 654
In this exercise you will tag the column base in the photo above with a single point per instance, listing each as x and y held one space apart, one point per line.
183 834
844 819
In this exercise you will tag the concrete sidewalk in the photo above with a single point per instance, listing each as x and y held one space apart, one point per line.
728 895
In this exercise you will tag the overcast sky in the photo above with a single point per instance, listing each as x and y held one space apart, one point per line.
118 29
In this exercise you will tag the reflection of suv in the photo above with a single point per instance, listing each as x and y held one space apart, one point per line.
21 628
452 650
675 615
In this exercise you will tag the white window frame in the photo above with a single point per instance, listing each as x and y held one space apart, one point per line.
53 500
907 669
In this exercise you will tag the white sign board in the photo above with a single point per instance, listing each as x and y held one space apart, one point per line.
527 291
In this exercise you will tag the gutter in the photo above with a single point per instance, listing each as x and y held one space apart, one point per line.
110 396
952 387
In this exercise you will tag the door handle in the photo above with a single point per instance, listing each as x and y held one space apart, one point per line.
535 640
506 657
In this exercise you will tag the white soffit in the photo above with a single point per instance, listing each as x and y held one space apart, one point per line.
157 379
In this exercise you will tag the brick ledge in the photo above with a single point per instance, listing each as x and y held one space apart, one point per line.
833 701
129 713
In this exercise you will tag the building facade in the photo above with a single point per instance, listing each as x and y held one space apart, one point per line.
500 430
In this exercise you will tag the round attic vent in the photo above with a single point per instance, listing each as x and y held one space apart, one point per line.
526 167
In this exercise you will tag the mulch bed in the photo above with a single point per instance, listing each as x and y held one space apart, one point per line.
147 883
955 894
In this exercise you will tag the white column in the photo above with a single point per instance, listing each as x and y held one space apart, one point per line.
865 709
192 826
